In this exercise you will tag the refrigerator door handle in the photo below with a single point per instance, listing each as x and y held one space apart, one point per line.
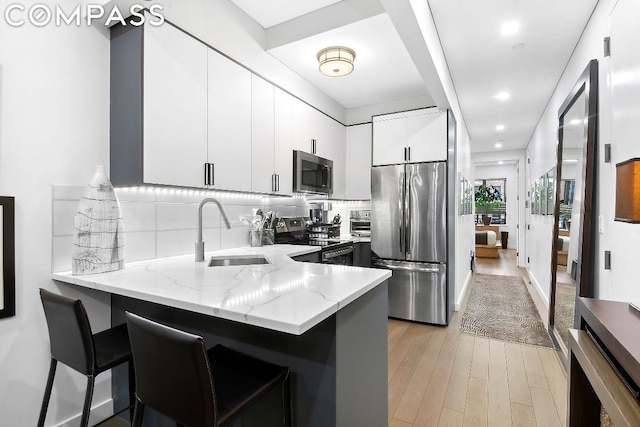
407 209
404 267
401 226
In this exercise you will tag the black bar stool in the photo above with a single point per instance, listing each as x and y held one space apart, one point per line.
178 377
73 344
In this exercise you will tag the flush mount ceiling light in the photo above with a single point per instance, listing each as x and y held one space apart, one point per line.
502 96
336 61
509 28
500 127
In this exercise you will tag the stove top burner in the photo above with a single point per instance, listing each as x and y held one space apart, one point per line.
328 242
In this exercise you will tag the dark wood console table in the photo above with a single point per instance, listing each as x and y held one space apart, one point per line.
593 382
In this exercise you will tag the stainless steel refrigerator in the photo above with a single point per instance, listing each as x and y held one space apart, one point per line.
409 237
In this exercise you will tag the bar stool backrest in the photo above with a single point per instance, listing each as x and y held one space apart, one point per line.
184 388
70 334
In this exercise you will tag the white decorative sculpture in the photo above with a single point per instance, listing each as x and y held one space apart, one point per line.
98 237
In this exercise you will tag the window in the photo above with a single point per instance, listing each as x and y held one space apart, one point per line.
498 215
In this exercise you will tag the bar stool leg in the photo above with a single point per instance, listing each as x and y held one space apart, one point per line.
47 392
132 388
286 402
84 421
138 414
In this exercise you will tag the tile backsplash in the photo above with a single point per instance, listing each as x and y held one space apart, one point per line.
161 222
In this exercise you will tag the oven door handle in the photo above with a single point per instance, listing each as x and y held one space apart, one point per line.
337 253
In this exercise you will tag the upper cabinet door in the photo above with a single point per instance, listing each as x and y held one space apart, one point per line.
427 136
229 119
175 107
305 126
359 161
389 140
262 136
283 162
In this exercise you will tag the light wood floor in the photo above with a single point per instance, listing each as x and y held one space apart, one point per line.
440 377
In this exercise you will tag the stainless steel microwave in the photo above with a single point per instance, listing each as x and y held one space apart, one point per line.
312 174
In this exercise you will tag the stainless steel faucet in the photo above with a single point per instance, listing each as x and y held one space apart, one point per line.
200 242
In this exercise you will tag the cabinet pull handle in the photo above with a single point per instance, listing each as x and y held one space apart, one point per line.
277 182
405 154
313 146
213 174
409 151
273 182
206 173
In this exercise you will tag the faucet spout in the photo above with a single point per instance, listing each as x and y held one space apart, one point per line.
199 241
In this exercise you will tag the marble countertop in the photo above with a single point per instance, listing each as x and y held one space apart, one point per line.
285 296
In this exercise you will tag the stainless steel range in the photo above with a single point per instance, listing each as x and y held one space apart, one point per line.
298 231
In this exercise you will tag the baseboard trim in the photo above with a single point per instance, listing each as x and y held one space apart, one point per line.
540 300
99 413
465 288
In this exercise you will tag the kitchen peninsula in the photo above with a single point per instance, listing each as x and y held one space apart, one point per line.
328 323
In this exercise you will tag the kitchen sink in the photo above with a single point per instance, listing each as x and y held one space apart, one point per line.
230 260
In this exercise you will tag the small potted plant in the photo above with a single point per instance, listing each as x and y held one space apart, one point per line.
487 199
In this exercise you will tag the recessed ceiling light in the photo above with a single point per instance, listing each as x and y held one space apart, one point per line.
575 122
502 96
500 127
509 27
500 162
570 161
498 145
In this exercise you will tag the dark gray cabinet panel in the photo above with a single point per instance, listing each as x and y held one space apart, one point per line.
362 254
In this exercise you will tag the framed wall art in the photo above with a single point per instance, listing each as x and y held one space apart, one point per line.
7 257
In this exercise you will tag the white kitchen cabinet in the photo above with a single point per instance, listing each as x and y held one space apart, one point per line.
283 162
306 126
271 135
427 137
262 135
389 140
332 146
175 107
229 123
413 136
359 162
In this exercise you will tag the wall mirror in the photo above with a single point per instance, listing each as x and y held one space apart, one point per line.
7 258
572 249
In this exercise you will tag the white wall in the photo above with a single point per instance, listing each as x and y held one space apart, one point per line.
619 125
54 129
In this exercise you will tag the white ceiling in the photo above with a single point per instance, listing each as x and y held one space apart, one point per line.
383 69
270 13
481 61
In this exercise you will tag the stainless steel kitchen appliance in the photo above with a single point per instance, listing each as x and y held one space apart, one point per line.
311 173
292 230
297 231
319 212
360 223
409 237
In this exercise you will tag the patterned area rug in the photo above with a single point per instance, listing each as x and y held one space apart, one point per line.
500 307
